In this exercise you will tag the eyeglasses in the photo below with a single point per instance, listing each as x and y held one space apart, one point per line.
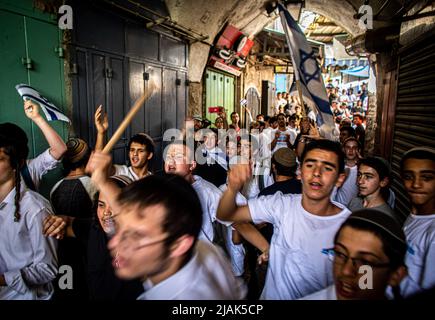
133 240
340 258
177 158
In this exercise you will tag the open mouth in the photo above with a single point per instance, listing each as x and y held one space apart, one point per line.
345 290
315 185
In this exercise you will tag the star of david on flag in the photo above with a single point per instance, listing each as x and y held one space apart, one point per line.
307 71
50 110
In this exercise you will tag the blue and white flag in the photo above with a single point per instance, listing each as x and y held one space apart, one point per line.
307 71
50 110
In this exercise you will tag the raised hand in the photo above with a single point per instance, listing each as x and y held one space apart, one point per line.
98 166
238 175
31 109
101 120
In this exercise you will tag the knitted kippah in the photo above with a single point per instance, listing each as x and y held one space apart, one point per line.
76 150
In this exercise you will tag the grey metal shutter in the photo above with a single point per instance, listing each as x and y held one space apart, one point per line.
415 109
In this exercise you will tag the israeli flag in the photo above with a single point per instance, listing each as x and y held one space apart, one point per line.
51 111
307 71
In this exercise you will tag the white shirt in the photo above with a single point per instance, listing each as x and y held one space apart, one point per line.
236 251
28 259
207 276
209 196
265 149
40 166
123 170
281 141
420 258
349 189
297 266
328 293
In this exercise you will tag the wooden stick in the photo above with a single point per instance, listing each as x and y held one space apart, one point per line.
127 120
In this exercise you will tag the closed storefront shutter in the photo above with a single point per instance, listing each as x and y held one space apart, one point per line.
415 109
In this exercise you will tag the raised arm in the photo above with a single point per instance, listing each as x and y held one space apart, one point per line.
228 209
102 124
99 165
57 145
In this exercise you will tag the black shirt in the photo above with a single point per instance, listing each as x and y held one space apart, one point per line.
103 284
286 187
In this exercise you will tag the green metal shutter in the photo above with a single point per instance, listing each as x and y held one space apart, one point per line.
219 91
415 109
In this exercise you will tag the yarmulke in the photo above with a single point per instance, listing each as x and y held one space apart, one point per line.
381 220
285 157
419 149
76 150
122 180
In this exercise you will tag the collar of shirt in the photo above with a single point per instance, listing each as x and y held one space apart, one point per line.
10 198
171 287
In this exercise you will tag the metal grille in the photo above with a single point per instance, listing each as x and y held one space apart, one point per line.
415 109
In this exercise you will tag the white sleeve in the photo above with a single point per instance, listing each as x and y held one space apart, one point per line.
428 274
268 208
120 170
44 267
41 165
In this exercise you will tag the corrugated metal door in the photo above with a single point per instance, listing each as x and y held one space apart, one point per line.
415 109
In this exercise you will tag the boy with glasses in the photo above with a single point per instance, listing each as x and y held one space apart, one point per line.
368 256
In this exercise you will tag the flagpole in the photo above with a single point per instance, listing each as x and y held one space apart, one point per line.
295 71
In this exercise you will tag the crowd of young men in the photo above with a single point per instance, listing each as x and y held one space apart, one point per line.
312 211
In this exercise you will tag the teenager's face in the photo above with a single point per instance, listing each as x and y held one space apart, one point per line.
197 124
6 171
367 248
105 215
219 123
351 150
368 180
281 121
139 156
137 248
210 140
235 118
231 149
177 160
418 177
320 173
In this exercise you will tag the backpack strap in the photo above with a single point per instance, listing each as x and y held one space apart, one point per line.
25 173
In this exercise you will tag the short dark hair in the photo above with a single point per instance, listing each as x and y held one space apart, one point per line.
69 166
382 169
327 145
143 139
349 129
182 205
418 153
260 115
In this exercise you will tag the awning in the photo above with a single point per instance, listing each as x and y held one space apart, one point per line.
362 72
